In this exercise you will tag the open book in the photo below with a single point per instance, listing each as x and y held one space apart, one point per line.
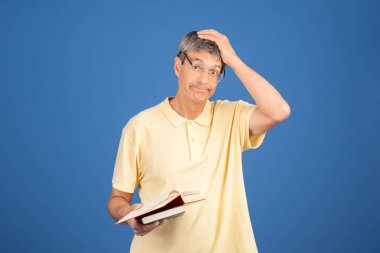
167 214
162 203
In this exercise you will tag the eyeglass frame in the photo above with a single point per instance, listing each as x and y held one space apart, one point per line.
219 78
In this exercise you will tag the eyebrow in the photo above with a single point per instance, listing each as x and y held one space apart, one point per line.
198 59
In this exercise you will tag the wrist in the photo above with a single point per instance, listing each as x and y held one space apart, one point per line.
236 64
123 211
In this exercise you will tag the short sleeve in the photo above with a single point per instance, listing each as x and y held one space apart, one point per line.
125 176
244 111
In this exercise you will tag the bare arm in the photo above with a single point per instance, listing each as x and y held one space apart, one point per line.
119 204
271 107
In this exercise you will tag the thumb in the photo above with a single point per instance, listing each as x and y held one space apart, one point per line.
136 206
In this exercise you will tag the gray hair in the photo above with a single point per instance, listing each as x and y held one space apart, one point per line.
191 41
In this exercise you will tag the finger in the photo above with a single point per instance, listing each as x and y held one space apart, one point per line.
139 226
140 229
136 206
152 226
210 32
144 229
135 224
210 37
161 222
140 232
148 228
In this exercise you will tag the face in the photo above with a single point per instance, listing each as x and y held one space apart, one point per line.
196 86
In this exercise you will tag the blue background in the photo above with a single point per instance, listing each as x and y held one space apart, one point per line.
73 72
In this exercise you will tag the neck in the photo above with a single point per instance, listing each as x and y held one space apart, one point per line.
187 109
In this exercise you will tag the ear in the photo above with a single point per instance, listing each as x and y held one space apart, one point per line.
177 65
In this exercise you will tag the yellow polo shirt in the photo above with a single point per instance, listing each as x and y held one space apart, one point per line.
160 151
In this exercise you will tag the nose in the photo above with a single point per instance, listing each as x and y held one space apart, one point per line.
203 77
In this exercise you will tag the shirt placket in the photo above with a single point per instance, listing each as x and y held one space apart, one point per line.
193 140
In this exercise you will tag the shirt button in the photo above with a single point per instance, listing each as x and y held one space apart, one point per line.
192 139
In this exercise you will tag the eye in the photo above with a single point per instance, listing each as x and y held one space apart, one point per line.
196 67
213 72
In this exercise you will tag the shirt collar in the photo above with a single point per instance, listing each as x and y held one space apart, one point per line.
203 119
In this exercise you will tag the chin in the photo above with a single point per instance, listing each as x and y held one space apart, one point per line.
199 97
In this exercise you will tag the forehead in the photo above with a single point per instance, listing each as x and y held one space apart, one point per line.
205 58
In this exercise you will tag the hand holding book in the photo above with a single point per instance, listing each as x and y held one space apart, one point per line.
140 229
163 207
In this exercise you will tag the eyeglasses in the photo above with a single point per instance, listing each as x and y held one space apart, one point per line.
213 75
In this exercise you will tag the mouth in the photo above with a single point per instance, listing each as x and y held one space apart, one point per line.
199 89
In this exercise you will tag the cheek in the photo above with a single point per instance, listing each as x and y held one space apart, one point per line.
187 80
182 79
184 83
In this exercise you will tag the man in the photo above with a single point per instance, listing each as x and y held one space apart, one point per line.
189 143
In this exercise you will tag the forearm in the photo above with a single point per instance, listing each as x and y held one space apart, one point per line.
267 98
118 207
